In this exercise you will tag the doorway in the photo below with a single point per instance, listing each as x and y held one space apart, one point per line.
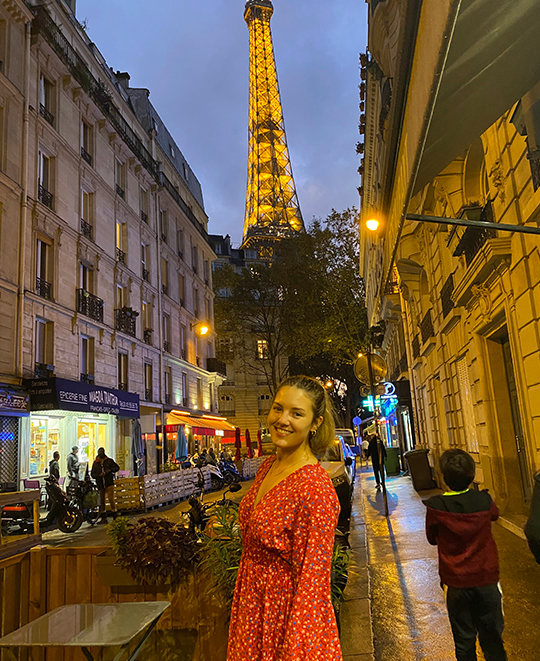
510 423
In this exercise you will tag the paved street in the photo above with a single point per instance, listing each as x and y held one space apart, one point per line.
408 611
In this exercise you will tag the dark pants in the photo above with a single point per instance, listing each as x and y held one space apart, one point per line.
477 612
377 472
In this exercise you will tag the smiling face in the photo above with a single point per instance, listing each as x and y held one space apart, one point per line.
291 418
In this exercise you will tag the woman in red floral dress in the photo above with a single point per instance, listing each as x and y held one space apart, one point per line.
282 609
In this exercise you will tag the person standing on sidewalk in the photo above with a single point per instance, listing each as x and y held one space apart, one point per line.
458 522
376 449
103 472
532 529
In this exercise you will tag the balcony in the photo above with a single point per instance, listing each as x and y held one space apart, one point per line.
147 336
90 305
446 296
216 365
144 217
43 288
122 386
120 256
86 156
43 371
148 394
124 320
86 229
45 197
46 114
184 401
146 275
183 354
87 378
167 346
426 327
120 192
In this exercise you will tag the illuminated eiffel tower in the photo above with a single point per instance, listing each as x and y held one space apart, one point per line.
272 209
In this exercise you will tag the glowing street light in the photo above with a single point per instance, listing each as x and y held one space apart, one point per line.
372 224
201 328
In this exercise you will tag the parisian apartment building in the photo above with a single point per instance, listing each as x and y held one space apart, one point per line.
105 261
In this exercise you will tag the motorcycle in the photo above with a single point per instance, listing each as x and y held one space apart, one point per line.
200 513
85 496
216 476
229 470
68 517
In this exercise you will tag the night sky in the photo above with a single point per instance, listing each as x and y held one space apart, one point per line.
193 55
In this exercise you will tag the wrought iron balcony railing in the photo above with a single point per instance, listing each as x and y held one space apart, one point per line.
183 354
43 288
147 335
184 401
164 289
86 229
446 296
45 196
146 275
87 378
216 365
120 256
43 371
144 216
90 305
426 327
46 114
124 321
164 237
86 156
120 191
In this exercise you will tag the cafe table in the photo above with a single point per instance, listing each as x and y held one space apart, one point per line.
90 626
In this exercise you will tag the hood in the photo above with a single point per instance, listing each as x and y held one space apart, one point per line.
465 526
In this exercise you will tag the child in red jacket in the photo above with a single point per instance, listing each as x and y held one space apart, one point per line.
459 523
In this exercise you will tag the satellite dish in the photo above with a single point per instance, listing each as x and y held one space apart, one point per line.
378 369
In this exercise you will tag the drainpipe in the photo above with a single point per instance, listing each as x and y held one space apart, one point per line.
24 203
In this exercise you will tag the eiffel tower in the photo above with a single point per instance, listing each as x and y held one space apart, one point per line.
272 209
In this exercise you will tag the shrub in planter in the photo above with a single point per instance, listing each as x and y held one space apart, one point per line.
154 550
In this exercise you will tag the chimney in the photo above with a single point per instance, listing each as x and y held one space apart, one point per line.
123 79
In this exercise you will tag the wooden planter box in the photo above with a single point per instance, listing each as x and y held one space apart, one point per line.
110 574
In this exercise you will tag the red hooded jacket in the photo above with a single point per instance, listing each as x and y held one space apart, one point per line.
460 527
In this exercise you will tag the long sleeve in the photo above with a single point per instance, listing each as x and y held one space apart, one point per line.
309 635
431 527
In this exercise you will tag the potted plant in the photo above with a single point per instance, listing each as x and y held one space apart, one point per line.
152 552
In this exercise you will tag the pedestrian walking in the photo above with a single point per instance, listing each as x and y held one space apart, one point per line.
532 529
365 447
458 522
54 466
282 607
103 471
376 450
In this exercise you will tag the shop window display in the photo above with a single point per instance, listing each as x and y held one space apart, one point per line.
44 442
90 436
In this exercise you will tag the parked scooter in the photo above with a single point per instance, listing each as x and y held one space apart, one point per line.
85 496
67 516
229 471
200 513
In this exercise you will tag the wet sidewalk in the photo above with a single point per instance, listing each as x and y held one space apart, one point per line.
407 606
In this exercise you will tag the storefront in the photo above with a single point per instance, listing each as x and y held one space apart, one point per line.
67 413
13 410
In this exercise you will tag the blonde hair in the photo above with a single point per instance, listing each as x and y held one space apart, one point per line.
322 408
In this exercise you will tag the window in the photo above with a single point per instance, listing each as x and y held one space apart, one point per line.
168 385
183 352
143 204
166 329
265 402
120 178
467 404
180 241
44 269
46 99
44 343
87 214
86 142
87 359
195 301
262 349
163 224
185 389
181 289
45 195
121 237
206 272
145 263
206 309
164 276
185 171
173 152
199 394
122 371
121 297
86 278
198 361
148 385
147 314
194 259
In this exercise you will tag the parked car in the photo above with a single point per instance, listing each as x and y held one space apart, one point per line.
350 439
339 466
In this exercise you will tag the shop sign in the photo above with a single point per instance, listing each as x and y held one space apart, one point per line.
53 393
13 402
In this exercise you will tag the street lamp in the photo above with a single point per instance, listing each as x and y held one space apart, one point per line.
201 328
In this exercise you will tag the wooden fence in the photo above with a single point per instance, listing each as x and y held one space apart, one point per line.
33 583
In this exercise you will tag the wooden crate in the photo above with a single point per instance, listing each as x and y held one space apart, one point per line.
128 495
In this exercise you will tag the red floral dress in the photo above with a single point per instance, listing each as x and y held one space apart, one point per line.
282 609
